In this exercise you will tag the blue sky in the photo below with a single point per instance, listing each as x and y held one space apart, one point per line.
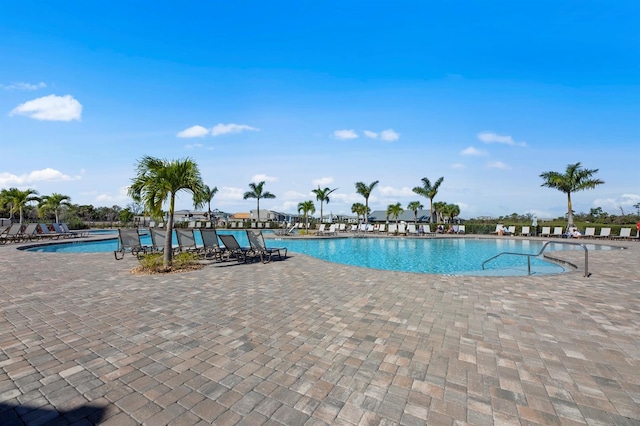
487 95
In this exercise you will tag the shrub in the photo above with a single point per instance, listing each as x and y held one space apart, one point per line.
153 263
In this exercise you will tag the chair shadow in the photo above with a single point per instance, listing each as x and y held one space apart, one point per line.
25 415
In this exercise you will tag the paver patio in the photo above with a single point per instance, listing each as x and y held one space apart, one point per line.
305 342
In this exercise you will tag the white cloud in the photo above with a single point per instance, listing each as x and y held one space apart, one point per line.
458 166
473 151
498 165
370 134
229 193
390 191
490 137
50 108
262 177
107 199
223 129
193 132
348 198
23 86
47 174
293 195
389 135
626 201
322 181
288 206
345 134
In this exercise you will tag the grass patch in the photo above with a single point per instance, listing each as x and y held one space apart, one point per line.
152 263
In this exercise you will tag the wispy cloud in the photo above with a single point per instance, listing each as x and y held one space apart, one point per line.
498 165
490 137
458 166
345 134
322 181
50 108
473 151
389 191
626 201
224 129
388 135
229 193
47 174
193 132
262 177
121 196
23 86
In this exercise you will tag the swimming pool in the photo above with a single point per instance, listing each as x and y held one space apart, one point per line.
449 256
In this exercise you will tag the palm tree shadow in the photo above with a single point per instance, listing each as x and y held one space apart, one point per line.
24 415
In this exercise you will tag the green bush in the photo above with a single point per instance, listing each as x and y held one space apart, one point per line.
184 260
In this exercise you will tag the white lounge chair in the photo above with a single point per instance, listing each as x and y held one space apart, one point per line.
321 229
557 232
393 228
402 228
411 229
511 230
590 232
525 231
604 233
499 229
461 229
546 231
625 234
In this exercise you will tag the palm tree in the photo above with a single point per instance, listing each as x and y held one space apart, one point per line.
208 193
574 179
17 200
414 206
306 207
438 209
365 190
156 180
322 195
429 191
53 203
257 193
359 209
451 211
394 211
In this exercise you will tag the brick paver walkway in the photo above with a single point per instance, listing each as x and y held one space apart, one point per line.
305 342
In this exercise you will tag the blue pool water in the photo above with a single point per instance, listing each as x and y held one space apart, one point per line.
453 256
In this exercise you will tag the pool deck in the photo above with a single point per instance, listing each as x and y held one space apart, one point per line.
306 342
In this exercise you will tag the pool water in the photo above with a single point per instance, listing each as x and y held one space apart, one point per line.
450 256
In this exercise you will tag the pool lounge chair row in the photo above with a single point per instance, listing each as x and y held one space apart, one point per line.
129 241
36 231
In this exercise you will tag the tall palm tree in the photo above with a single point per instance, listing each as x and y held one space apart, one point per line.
365 190
359 209
53 203
451 211
257 192
574 179
306 207
438 209
429 191
414 206
17 200
156 180
394 211
208 193
322 195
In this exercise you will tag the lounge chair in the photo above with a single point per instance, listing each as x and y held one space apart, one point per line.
462 229
382 228
66 229
625 234
590 232
342 227
187 241
45 233
411 229
511 230
129 242
11 234
604 233
234 249
58 229
331 231
393 229
211 247
321 229
158 238
258 246
402 228
499 229
546 231
525 231
557 232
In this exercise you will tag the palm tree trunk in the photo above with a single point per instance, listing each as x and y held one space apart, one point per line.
258 209
168 243
570 207
365 216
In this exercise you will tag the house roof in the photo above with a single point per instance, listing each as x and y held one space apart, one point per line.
240 216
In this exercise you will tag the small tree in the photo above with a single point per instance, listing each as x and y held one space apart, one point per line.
359 209
17 200
158 180
574 179
394 211
209 193
365 190
257 192
306 207
429 191
53 203
322 195
414 206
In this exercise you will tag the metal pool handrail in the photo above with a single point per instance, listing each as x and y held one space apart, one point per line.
529 256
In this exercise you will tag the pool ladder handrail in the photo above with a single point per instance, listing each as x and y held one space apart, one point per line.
529 256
